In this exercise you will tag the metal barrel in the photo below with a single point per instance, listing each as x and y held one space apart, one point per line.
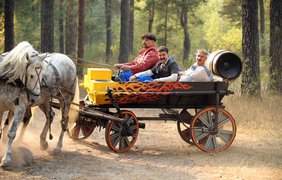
224 64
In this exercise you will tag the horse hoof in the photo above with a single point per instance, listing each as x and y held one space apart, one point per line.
43 146
5 164
57 151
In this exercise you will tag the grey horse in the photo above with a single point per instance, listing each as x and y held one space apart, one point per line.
21 72
59 82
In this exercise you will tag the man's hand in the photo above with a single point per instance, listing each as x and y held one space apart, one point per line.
181 73
156 80
117 66
132 78
125 68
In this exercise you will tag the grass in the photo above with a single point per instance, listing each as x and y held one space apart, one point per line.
254 114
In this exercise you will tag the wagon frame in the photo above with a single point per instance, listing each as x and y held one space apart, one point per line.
205 129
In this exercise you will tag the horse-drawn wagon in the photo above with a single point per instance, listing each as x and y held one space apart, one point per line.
210 127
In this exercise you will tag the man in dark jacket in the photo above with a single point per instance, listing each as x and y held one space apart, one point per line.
166 69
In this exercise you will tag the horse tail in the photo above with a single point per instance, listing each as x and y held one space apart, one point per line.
74 110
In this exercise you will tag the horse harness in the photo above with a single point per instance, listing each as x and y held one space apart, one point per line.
57 87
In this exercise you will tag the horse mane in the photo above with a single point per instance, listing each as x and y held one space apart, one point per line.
13 66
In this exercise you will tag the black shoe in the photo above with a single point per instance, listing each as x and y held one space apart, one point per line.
117 79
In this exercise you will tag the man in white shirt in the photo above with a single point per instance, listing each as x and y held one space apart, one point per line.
198 72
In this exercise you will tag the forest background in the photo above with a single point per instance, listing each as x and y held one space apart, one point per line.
100 33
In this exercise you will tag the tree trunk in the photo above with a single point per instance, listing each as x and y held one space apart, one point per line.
61 26
184 24
80 36
123 51
70 29
108 12
250 45
151 15
275 50
47 25
262 27
9 25
131 26
165 25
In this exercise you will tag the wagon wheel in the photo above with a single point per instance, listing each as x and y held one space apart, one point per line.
118 137
183 127
81 129
206 136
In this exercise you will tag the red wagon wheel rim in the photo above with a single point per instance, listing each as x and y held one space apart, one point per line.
213 141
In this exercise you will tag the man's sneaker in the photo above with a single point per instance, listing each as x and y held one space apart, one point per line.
117 79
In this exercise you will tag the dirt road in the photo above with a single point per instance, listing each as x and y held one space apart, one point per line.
159 153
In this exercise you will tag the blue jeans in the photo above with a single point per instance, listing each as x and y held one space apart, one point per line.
145 78
124 75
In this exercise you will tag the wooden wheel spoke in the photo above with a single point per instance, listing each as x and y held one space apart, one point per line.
221 123
210 121
132 128
225 131
115 138
126 141
115 127
200 137
214 142
121 143
198 132
224 137
186 125
204 121
129 120
209 143
219 116
125 116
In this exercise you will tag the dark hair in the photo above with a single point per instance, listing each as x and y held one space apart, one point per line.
149 36
163 48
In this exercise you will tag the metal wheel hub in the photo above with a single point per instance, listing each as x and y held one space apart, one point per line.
212 130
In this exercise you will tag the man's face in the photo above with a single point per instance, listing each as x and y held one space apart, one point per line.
163 56
147 43
201 58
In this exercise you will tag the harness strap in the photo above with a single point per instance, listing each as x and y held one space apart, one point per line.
56 73
57 77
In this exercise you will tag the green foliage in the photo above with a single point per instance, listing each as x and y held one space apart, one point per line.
212 25
232 11
27 21
1 26
218 32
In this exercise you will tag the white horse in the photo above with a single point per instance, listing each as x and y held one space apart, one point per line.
21 72
60 82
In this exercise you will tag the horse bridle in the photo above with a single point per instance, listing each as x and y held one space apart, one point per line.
38 72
